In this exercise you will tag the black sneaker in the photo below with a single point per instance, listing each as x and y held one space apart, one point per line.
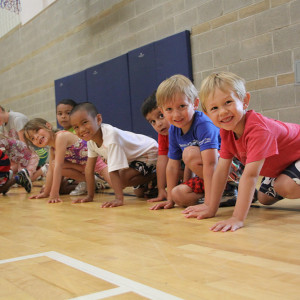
267 187
229 196
23 179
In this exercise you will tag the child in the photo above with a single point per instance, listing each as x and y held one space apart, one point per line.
21 155
68 155
12 139
266 146
192 137
6 176
154 116
131 157
63 110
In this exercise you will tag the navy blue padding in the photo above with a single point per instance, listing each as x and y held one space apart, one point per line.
149 66
143 82
71 87
108 90
173 56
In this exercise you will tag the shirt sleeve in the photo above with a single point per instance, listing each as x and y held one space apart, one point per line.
175 151
163 144
19 122
208 136
91 151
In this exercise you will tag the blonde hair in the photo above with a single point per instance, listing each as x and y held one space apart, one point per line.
35 125
224 81
170 87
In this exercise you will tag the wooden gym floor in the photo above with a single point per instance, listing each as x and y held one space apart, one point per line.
67 251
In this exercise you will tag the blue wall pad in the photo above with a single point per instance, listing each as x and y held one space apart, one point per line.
71 87
142 77
150 65
108 89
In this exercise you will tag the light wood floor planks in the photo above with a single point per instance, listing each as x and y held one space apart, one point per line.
159 249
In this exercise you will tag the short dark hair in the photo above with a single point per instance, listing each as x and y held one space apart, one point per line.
88 107
149 104
67 102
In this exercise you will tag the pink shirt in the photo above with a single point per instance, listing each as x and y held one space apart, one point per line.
263 138
163 144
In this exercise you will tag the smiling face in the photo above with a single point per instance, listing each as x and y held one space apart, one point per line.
63 115
180 111
85 126
227 110
40 138
158 121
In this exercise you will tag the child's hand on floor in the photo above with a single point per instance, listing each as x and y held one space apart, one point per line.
39 196
82 200
54 200
166 205
113 203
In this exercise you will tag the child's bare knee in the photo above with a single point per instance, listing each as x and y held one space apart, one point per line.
191 154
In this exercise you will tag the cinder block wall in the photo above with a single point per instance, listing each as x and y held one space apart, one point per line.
259 40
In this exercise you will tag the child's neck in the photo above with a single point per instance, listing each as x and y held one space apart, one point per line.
51 142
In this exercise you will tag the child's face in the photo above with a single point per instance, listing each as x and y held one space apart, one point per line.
227 111
39 138
85 126
63 115
180 111
158 121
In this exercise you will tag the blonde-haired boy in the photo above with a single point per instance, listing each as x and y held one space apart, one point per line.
192 138
267 147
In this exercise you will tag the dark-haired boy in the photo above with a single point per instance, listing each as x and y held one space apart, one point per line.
131 158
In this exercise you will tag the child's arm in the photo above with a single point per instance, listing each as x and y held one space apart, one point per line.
21 135
118 189
161 167
173 169
245 193
210 160
90 180
61 142
219 179
49 177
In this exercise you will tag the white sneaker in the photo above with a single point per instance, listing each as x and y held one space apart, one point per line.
44 169
80 189
100 184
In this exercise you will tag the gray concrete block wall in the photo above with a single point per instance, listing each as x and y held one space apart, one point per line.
257 39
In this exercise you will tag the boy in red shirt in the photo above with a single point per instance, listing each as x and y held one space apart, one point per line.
266 147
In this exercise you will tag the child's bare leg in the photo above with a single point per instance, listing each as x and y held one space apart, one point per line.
193 160
287 187
36 175
74 174
104 173
184 196
5 187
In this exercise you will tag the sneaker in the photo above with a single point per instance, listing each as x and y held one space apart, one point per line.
44 169
267 187
23 179
100 184
80 189
229 196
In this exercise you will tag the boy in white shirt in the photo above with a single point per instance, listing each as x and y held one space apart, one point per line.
131 157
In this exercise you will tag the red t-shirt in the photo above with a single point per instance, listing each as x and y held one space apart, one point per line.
163 144
263 138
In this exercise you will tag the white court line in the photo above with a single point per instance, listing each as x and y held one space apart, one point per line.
125 285
103 294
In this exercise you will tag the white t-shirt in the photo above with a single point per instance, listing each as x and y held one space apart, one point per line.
16 122
120 147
